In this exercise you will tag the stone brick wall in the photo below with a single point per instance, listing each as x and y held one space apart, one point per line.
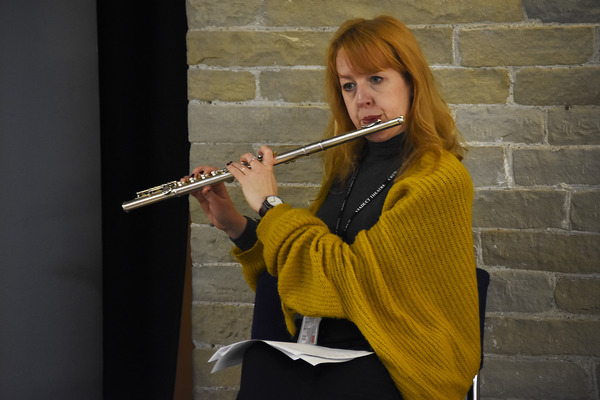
523 80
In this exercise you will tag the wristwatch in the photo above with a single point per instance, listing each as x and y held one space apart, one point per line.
270 202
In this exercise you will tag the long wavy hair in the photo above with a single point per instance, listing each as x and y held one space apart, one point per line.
372 46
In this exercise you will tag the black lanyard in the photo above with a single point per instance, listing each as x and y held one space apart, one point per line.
363 204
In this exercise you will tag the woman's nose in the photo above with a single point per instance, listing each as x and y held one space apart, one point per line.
364 96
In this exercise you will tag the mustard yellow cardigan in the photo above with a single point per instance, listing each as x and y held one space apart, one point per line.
408 283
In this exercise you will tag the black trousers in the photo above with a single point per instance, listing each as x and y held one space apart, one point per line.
268 374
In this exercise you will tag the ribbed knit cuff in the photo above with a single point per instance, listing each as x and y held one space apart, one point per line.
248 238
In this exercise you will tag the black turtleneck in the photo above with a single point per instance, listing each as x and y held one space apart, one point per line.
378 162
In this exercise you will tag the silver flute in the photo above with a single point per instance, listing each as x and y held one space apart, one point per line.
179 188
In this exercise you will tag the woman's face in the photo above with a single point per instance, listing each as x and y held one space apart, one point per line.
384 95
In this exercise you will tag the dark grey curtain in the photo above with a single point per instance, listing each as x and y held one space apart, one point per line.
50 214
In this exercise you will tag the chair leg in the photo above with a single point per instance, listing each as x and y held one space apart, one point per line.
474 392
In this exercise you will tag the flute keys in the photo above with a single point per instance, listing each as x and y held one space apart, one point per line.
165 189
218 172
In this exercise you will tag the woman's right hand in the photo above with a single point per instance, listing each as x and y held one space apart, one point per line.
217 205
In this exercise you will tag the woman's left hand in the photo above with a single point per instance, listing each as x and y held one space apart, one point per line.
256 177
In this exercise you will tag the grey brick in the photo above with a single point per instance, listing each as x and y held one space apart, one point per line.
250 49
519 208
558 86
501 124
542 251
221 85
211 245
585 211
223 283
257 124
574 126
201 13
488 47
486 166
545 167
507 335
473 85
436 44
551 379
299 86
221 323
218 154
565 11
520 291
579 295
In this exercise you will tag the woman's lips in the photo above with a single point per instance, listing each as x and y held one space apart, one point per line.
370 119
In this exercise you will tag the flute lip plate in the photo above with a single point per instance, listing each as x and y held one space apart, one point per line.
371 124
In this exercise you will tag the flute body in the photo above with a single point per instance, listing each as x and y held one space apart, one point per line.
178 188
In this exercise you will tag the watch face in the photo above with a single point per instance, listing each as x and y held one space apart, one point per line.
274 200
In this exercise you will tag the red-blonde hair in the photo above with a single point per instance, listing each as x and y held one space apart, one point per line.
372 46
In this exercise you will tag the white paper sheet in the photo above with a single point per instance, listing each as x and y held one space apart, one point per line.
233 354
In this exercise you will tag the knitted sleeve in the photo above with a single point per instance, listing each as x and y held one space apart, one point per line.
408 283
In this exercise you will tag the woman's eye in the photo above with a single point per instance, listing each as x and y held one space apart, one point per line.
348 86
376 79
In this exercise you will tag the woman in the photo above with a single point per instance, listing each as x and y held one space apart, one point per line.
385 255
